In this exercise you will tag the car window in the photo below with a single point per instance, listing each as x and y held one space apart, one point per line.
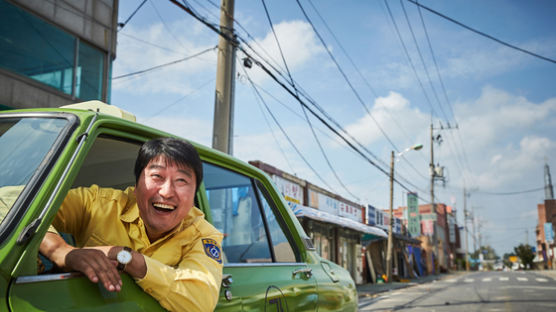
25 142
109 163
282 248
236 213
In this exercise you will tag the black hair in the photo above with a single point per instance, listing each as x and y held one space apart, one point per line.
177 151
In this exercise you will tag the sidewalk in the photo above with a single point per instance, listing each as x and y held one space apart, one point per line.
370 290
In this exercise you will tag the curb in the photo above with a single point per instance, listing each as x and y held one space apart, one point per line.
398 285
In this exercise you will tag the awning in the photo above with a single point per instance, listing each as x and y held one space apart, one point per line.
407 239
315 214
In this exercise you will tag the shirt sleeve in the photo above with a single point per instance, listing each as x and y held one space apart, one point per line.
194 285
74 212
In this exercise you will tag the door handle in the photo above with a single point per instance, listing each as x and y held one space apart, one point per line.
308 272
227 280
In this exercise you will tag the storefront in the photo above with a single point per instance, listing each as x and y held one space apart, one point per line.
337 238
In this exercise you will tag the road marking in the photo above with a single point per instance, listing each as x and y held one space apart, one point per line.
468 280
487 279
542 280
504 279
453 280
522 279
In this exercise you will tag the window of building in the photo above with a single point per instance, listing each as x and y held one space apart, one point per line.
34 48
89 72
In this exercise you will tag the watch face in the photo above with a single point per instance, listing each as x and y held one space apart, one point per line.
124 257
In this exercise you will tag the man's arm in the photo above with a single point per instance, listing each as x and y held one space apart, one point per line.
193 285
97 263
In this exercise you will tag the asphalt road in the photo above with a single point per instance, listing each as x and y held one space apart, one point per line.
478 291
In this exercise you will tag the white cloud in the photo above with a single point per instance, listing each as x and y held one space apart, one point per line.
193 129
157 46
512 132
298 43
386 112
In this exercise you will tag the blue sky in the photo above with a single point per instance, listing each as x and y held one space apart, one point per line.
503 101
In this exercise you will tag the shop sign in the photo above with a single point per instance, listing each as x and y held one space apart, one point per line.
386 219
428 216
548 233
397 226
428 227
371 215
414 219
323 202
351 212
292 192
379 217
452 228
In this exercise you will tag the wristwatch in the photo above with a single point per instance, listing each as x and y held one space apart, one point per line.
124 257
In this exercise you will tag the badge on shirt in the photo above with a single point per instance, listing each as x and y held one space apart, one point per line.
212 250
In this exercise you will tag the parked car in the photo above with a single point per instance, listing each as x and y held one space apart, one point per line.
270 263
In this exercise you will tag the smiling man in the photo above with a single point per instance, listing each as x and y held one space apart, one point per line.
152 232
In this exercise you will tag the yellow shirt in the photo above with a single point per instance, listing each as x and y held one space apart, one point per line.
184 268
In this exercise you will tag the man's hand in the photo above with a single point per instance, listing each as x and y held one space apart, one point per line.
96 265
93 262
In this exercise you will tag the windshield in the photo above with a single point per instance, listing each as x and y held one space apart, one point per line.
24 144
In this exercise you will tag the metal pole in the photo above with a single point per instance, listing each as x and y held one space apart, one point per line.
466 230
390 228
223 102
433 174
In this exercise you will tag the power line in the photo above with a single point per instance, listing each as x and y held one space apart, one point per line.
423 61
285 134
303 108
151 44
292 93
512 193
365 80
164 108
482 33
165 25
408 56
345 76
435 63
122 25
166 64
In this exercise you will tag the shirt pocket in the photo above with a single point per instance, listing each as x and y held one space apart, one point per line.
96 240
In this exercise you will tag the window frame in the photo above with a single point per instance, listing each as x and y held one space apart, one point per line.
27 195
259 189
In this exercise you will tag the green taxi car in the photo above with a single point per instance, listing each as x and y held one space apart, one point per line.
270 263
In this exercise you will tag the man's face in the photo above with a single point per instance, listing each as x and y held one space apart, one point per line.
165 195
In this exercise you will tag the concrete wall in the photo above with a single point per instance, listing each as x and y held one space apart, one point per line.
22 92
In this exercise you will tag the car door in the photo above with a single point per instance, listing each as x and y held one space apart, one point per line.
264 265
108 161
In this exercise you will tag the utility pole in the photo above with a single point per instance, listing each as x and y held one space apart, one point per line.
390 227
473 228
466 230
433 175
222 136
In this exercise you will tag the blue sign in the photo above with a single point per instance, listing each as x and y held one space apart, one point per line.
548 233
371 215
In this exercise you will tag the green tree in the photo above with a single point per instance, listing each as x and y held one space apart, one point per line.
525 254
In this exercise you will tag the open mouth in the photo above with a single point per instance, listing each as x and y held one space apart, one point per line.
163 207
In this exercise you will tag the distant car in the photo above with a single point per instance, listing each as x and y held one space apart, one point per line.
269 261
498 266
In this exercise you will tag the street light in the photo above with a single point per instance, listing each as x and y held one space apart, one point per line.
389 248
